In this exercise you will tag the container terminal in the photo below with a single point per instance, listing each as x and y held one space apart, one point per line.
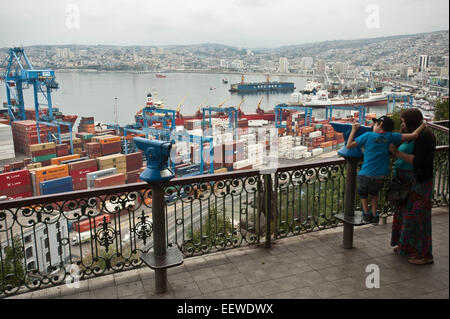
43 152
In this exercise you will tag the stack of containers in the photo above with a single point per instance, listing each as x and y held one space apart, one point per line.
76 143
242 165
118 161
193 125
47 173
58 160
61 150
16 184
79 170
25 134
327 146
298 152
93 150
286 143
86 125
134 164
6 142
85 138
16 166
43 152
90 177
109 144
256 154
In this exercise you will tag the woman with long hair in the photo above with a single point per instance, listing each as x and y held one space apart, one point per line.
411 227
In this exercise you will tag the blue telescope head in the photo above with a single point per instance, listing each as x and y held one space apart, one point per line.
157 154
346 128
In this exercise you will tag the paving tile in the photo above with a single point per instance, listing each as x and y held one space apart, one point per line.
203 274
130 289
334 273
350 285
101 282
104 293
302 293
195 263
326 290
210 285
185 290
313 277
218 258
234 280
225 270
257 275
268 287
76 288
82 295
126 276
440 294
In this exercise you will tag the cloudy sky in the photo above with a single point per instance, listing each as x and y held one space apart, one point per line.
247 23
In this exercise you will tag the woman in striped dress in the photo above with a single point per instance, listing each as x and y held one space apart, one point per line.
411 227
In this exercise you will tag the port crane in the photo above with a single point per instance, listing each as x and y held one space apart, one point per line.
19 75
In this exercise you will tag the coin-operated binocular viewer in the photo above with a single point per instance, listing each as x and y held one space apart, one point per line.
352 156
156 174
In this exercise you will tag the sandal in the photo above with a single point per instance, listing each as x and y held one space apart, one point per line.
396 250
422 261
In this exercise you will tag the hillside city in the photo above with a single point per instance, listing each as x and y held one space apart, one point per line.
396 57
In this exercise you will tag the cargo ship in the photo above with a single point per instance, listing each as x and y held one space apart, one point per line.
268 86
321 99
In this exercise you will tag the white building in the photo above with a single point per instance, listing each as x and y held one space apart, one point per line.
340 67
321 66
237 64
44 246
223 64
284 65
307 62
424 62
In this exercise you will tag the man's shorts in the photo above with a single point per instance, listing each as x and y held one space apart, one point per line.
369 185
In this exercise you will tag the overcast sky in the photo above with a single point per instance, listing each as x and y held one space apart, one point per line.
246 23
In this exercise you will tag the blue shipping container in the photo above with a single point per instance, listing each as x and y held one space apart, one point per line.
54 186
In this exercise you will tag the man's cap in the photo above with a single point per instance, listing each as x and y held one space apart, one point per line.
387 123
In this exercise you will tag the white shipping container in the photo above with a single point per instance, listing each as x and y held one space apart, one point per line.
315 134
307 155
317 151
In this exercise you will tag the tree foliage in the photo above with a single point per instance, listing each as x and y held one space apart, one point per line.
12 270
441 110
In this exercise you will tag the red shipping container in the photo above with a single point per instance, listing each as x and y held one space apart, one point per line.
80 185
112 180
90 223
14 179
112 148
16 190
80 175
134 161
133 176
24 195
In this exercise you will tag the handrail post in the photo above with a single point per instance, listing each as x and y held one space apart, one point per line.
268 208
349 204
159 235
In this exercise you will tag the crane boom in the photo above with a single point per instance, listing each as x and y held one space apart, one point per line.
220 105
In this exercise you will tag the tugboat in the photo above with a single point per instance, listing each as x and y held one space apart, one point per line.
225 81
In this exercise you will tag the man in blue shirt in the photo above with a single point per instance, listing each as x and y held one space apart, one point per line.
375 165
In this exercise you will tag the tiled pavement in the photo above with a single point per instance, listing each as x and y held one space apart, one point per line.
313 265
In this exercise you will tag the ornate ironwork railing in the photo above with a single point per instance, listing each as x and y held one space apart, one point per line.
47 240
441 131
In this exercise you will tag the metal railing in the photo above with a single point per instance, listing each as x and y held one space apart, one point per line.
48 240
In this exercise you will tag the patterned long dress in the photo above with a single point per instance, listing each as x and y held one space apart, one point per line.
411 226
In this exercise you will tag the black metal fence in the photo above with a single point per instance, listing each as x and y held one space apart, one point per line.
45 240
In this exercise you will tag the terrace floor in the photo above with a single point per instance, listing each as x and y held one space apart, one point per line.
311 266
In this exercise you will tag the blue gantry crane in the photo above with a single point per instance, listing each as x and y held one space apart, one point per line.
362 111
281 107
19 75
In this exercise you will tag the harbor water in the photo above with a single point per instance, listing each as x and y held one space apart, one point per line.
95 93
